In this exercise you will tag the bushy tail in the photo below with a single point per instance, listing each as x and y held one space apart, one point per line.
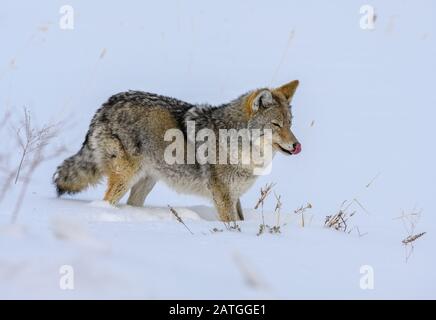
77 172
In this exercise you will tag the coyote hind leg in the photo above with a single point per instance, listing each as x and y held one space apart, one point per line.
118 185
140 191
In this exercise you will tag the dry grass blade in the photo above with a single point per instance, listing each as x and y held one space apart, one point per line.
262 228
264 192
372 180
413 238
278 203
277 210
360 205
179 219
338 221
233 226
301 210
274 229
409 223
360 234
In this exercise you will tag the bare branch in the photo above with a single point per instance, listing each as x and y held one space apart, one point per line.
32 143
31 139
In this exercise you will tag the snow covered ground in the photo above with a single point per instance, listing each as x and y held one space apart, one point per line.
365 109
145 253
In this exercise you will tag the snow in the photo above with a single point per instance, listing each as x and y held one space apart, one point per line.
369 94
126 252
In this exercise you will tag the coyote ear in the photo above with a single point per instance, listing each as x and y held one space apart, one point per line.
288 89
262 98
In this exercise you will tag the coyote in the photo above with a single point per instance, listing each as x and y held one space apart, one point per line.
126 143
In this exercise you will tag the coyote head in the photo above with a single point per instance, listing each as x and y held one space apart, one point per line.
270 109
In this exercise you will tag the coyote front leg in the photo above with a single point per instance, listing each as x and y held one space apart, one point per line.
225 202
239 210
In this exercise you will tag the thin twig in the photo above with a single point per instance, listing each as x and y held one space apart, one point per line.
179 219
372 180
361 206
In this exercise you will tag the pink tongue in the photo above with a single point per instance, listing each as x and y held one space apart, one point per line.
297 149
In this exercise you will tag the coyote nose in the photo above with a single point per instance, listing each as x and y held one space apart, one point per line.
297 148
